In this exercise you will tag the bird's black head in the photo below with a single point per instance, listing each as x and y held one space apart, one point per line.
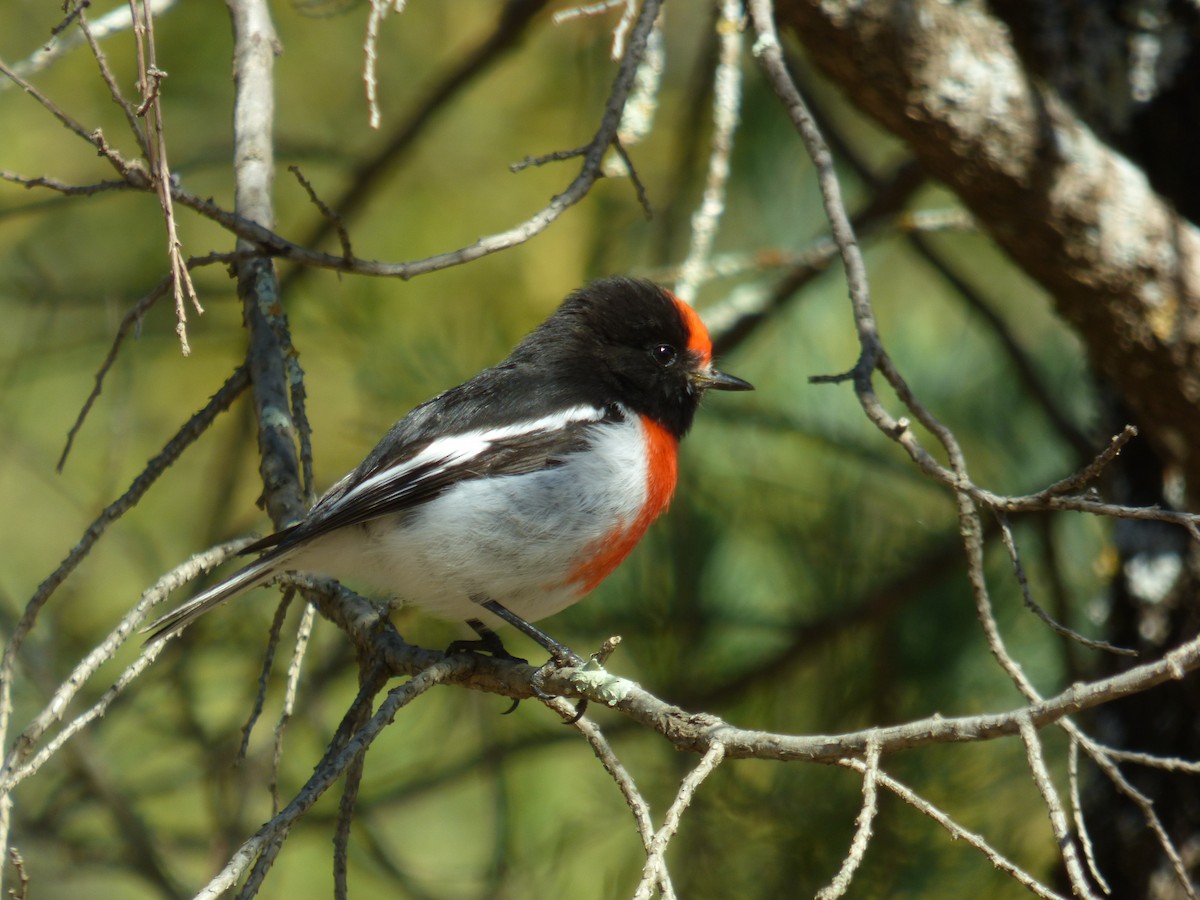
634 342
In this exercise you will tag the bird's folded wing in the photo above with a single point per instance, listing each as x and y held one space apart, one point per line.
402 482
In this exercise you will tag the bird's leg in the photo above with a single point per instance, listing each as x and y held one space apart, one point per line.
489 642
560 654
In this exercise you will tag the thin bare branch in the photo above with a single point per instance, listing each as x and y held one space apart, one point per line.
131 322
295 666
574 192
727 101
372 678
862 834
640 110
957 832
270 346
591 9
1095 468
1151 761
621 32
264 670
1010 544
746 311
531 162
18 765
61 187
513 20
21 891
136 176
630 170
1146 806
379 9
115 21
1058 818
1081 829
696 731
624 781
150 78
188 433
274 831
334 220
114 89
258 232
770 55
655 866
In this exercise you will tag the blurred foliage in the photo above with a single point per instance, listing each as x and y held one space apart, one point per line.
807 579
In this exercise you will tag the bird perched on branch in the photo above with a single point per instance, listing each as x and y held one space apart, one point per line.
514 494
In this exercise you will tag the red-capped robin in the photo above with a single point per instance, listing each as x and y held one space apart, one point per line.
514 494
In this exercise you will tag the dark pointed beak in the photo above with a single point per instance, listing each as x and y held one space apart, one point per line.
719 381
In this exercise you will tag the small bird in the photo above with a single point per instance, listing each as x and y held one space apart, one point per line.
516 493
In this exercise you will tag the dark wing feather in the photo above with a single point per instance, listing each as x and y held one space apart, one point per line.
369 493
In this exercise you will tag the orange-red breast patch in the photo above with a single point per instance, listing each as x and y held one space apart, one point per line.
662 450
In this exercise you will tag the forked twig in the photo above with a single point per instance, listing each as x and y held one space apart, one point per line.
1058 818
150 78
957 832
655 865
862 833
259 846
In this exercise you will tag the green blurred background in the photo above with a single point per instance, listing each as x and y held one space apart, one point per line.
807 579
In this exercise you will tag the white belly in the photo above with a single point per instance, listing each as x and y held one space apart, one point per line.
517 539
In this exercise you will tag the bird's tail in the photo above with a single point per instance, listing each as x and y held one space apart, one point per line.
258 572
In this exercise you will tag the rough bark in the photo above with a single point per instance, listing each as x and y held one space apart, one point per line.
1122 266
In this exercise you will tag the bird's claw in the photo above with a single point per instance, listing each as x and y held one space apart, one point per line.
557 661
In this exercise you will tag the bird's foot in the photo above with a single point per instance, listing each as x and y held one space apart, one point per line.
557 662
488 643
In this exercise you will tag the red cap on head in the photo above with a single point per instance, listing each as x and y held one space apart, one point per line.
698 340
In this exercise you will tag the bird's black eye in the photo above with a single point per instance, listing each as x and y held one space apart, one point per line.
664 354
